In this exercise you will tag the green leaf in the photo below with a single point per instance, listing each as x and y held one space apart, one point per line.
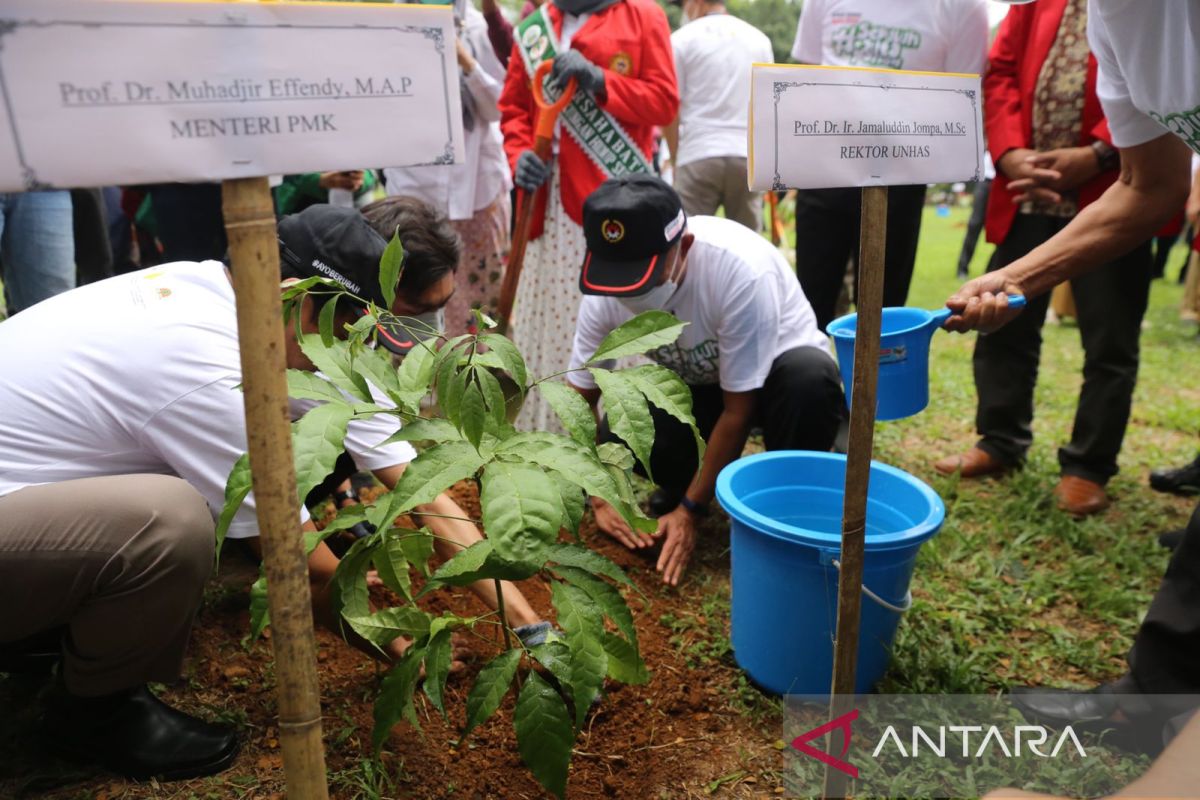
437 668
414 375
572 555
424 429
603 595
574 502
644 332
464 562
237 486
575 462
490 687
317 441
624 662
390 267
582 623
336 364
522 511
435 470
383 626
628 413
260 616
666 391
376 365
493 395
350 597
395 699
346 518
509 356
616 455
418 549
451 392
302 287
391 564
556 658
325 321
304 385
544 734
572 409
473 414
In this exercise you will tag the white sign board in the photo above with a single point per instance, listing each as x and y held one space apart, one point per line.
99 93
820 127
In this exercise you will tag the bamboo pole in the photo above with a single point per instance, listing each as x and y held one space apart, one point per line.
872 238
254 250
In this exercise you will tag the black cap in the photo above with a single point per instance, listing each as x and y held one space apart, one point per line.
402 334
336 243
628 223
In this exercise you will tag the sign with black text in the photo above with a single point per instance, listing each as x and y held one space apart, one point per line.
820 127
101 93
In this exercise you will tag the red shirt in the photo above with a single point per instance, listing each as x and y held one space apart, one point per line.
1017 55
631 42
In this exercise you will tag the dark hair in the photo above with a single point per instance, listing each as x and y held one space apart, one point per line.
431 245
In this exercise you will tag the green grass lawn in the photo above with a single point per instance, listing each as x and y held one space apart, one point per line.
1013 591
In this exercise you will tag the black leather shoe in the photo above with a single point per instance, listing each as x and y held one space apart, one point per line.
663 502
1183 480
1094 710
139 736
1171 539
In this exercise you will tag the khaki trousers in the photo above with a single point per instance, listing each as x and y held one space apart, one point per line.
707 184
118 563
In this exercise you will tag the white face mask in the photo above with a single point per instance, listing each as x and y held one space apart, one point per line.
657 298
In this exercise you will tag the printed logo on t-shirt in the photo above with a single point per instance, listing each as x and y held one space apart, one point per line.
696 366
1184 124
865 44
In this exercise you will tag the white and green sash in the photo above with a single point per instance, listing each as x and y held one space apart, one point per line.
594 129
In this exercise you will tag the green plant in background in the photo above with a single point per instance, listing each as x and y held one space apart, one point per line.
532 486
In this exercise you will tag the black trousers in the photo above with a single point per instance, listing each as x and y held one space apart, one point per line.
827 226
1165 658
1111 302
799 408
189 222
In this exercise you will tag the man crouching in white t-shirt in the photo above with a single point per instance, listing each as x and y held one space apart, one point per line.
122 419
751 352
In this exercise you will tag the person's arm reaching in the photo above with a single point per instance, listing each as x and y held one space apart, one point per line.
1152 187
728 439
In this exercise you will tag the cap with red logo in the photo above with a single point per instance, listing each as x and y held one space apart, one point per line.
629 223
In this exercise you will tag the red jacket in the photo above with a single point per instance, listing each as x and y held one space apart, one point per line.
631 41
1017 55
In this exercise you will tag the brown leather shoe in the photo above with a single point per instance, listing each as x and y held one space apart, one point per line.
975 463
1079 496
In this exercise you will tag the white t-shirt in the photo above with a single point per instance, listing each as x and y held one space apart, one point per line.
713 55
1149 77
741 300
922 35
140 374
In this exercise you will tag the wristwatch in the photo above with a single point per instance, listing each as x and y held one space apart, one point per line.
695 509
1107 157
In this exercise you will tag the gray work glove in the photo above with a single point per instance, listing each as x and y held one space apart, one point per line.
572 64
531 171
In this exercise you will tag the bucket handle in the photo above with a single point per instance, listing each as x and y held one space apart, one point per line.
939 317
906 603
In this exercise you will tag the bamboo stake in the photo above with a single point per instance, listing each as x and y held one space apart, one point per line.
872 238
254 250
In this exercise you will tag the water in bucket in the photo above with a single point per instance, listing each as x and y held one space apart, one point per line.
903 356
786 510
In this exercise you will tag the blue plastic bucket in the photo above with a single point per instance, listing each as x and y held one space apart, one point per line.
786 508
903 388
